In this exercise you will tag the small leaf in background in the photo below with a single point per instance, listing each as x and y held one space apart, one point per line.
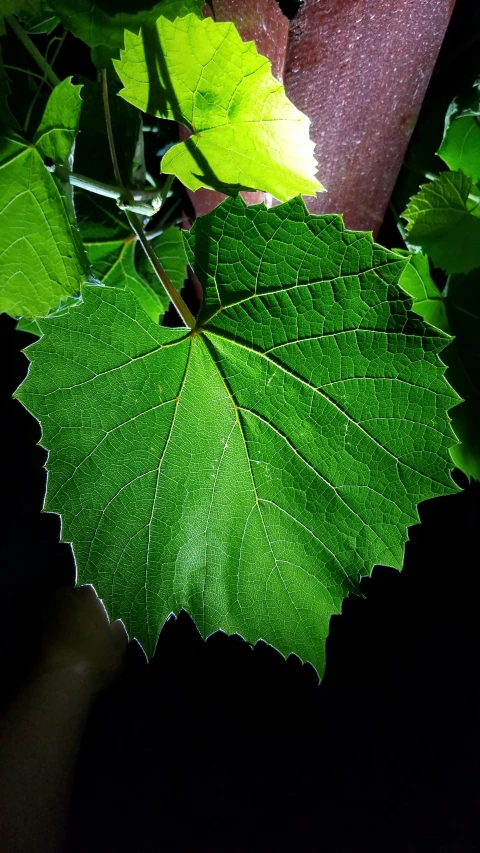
443 221
252 471
115 266
246 134
101 24
462 298
417 281
460 148
42 260
58 127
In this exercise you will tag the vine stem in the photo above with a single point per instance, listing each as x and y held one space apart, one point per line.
33 51
136 223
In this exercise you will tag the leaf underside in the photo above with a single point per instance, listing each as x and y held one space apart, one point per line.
252 471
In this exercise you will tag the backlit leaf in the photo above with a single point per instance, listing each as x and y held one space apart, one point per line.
246 134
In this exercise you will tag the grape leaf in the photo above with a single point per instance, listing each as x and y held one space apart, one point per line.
246 134
460 148
417 281
463 358
42 259
253 470
101 24
443 222
59 124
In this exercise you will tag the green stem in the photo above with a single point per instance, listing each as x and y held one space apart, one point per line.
136 223
121 194
27 71
162 276
33 51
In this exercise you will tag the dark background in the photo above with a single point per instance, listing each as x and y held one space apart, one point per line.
216 746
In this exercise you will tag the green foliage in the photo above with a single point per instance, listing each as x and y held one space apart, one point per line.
245 472
460 148
462 300
443 221
252 467
113 263
42 260
246 134
101 24
417 281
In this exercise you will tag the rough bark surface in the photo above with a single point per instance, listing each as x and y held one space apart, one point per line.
359 69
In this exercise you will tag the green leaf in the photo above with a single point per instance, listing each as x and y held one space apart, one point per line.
463 359
36 17
443 222
101 24
246 134
460 148
252 471
58 127
417 281
42 260
114 263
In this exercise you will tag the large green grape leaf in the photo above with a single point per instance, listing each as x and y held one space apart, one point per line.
460 148
253 470
443 221
42 260
417 281
246 134
101 24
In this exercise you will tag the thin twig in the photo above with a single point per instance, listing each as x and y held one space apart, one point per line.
136 223
167 284
44 79
33 50
108 121
27 71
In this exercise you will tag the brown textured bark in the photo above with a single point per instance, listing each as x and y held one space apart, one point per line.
359 69
260 21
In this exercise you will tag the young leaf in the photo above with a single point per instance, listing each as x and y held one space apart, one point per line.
417 281
246 134
443 221
460 148
253 470
42 260
101 24
114 264
58 127
463 359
